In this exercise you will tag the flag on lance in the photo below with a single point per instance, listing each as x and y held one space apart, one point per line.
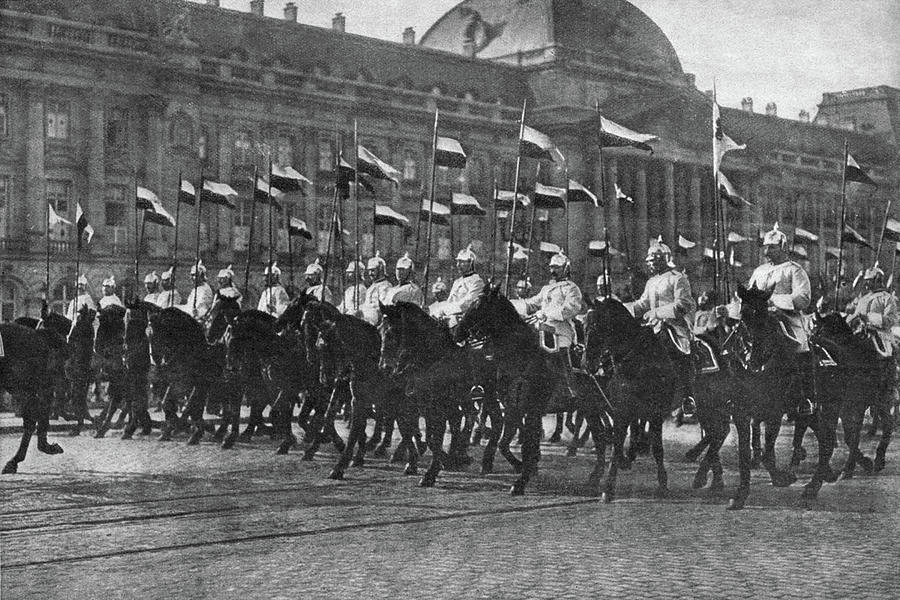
535 144
464 204
218 193
547 196
439 216
385 215
53 218
722 143
154 211
853 172
287 179
297 227
579 193
82 224
448 152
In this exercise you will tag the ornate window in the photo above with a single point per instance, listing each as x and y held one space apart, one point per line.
409 165
8 302
4 115
116 217
326 152
243 148
59 195
116 128
57 117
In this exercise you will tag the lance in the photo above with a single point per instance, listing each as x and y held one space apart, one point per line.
250 233
289 211
334 216
137 239
47 266
512 218
494 226
431 202
837 282
356 219
198 194
175 249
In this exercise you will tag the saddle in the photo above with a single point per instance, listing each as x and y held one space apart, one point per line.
706 358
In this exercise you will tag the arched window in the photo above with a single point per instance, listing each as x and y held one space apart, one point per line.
8 301
409 165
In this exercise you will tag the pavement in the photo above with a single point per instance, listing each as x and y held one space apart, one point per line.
146 519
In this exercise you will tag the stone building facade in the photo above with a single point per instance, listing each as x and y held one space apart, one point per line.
97 97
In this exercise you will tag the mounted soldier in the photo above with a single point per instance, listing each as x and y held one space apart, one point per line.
377 292
439 290
552 311
406 289
226 285
791 293
274 298
200 300
355 294
109 297
169 296
522 291
668 306
315 287
876 312
82 298
464 291
151 283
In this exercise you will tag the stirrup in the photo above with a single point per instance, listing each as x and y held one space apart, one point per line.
806 408
688 407
476 394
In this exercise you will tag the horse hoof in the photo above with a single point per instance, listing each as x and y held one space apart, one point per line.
127 435
845 474
878 465
517 489
245 438
736 504
866 463
717 487
426 482
555 438
661 492
308 456
606 497
571 451
336 475
357 462
700 480
411 470
380 452
830 476
692 455
228 444
194 439
100 434
51 449
10 468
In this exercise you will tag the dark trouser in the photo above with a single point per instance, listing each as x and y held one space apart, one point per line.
684 368
804 387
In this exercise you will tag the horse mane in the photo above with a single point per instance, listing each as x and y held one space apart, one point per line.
29 322
422 321
293 313
57 323
178 324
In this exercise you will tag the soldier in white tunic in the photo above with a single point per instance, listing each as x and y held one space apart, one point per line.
169 296
406 289
876 311
274 298
378 289
553 309
355 294
668 306
109 297
791 294
82 298
522 291
151 283
464 291
315 287
226 285
200 300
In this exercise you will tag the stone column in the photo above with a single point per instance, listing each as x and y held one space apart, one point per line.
642 217
94 200
696 213
35 182
669 223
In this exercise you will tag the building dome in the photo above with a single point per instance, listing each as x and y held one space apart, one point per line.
612 31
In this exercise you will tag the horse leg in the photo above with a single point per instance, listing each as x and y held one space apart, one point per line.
512 424
455 462
356 435
656 444
531 451
825 436
492 409
595 429
382 448
779 477
557 431
887 430
407 424
170 414
744 431
852 420
755 433
289 440
29 422
194 411
436 425
801 424
620 430
694 453
377 433
231 414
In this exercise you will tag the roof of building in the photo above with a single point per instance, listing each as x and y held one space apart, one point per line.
608 28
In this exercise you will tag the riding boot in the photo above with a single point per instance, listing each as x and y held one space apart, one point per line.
565 364
805 383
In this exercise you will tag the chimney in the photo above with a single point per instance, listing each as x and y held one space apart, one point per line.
409 36
747 104
469 48
771 109
339 22
212 3
804 115
256 7
290 12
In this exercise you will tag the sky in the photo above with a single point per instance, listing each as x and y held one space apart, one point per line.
783 51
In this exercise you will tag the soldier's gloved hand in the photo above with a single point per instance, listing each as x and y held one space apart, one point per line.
539 316
721 311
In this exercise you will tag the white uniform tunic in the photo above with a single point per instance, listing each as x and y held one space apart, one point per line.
205 297
319 293
111 300
151 297
791 293
274 300
230 291
880 310
463 293
558 302
406 292
167 298
354 297
376 293
76 304
667 300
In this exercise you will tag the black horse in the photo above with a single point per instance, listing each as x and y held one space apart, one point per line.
24 373
861 378
108 364
532 387
78 367
136 361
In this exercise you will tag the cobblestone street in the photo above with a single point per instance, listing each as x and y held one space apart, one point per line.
144 519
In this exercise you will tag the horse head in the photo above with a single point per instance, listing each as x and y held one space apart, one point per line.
111 329
393 339
250 338
490 315
314 315
222 314
757 339
608 324
56 323
173 332
293 314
